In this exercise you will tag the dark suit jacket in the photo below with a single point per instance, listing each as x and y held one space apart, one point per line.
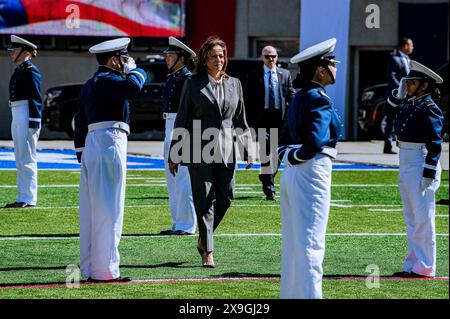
397 69
255 93
198 112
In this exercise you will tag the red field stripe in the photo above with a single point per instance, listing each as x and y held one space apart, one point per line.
221 279
383 278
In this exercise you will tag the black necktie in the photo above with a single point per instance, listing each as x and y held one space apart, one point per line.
271 92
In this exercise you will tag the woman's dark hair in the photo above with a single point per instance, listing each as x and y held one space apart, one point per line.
204 51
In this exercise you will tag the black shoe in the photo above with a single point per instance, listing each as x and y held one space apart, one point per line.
168 232
118 279
389 152
19 205
270 197
25 205
415 275
182 233
400 274
10 205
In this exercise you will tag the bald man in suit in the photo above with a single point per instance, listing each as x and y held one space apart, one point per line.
268 93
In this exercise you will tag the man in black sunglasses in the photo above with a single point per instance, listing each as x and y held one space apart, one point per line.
268 93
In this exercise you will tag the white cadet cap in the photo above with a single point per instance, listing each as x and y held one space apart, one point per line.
323 49
120 44
18 42
419 71
176 46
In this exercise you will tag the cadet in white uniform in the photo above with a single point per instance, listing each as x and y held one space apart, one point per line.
101 129
418 125
25 101
307 146
179 186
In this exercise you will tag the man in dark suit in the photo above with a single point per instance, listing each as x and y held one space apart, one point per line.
268 93
398 68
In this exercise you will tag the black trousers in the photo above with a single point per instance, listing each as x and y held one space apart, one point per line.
270 119
388 133
212 192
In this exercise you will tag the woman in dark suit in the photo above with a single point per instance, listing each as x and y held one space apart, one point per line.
211 110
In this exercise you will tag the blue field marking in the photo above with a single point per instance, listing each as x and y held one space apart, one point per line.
66 159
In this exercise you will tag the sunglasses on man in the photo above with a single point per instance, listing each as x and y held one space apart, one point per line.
267 57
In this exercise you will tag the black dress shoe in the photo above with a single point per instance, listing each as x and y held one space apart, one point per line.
182 233
19 205
270 197
10 205
389 152
400 274
118 279
25 205
415 275
168 232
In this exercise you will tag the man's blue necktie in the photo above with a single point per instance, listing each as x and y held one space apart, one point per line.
271 92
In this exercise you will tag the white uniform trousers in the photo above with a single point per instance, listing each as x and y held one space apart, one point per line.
419 212
101 202
179 187
25 142
305 194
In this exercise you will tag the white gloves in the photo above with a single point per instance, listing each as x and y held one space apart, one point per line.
401 91
286 153
426 183
129 66
285 157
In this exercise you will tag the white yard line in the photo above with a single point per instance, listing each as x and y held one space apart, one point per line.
146 178
238 185
364 205
234 205
216 235
150 205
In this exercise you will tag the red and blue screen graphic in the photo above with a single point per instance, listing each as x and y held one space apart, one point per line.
134 18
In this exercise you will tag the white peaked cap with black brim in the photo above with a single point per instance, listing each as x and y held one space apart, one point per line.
322 50
116 45
176 46
18 42
419 71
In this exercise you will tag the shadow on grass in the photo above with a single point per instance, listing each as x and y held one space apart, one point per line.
40 235
163 265
246 275
33 268
77 235
149 197
246 197
365 277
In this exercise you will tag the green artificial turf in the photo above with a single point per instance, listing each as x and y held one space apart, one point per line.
36 245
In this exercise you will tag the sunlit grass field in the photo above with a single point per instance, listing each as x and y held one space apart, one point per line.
365 230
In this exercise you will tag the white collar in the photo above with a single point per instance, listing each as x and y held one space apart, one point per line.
214 81
266 69
403 54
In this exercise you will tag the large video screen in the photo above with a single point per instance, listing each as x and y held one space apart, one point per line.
135 18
